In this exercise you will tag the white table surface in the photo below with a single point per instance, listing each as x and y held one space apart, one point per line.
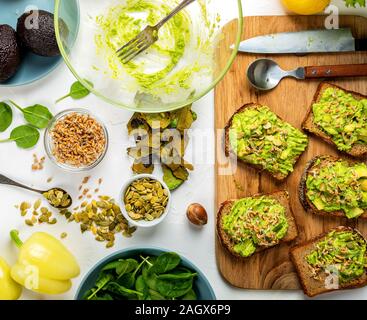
175 233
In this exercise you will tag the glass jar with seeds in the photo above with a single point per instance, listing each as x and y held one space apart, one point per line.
76 140
145 200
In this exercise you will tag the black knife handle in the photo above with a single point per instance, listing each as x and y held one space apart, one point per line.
361 44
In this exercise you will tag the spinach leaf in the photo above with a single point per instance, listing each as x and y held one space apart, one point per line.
105 296
117 289
77 91
102 281
36 115
174 288
24 136
178 276
191 295
150 278
111 266
126 266
127 280
141 286
154 295
166 262
6 116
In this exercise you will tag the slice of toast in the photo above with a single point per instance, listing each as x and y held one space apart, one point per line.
358 150
228 150
311 286
282 197
302 190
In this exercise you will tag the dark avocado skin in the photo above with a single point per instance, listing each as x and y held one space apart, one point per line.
10 56
41 41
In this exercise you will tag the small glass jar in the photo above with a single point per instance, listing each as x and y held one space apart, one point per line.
48 141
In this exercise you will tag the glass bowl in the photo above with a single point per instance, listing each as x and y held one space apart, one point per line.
183 66
48 143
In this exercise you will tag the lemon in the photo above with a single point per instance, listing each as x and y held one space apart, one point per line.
306 7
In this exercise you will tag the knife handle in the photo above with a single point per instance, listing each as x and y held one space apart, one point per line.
347 70
361 44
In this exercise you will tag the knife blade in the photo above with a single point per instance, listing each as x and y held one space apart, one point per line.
310 41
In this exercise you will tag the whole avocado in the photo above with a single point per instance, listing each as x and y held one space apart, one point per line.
37 33
10 56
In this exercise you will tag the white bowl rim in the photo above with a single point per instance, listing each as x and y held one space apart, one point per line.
143 223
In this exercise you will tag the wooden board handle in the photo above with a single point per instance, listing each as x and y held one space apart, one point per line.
347 70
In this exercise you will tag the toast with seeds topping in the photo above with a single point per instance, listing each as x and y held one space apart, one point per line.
338 120
262 140
322 264
277 231
331 184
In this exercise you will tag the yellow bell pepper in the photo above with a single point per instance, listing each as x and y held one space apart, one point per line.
9 289
44 264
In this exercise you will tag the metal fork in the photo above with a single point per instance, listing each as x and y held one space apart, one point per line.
147 37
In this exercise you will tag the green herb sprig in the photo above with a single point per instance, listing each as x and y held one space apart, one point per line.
6 116
24 136
354 3
37 115
77 91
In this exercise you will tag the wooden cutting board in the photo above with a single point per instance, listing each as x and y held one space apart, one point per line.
272 269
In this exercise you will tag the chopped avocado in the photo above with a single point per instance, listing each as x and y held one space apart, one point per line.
319 204
170 180
337 186
259 137
37 33
254 222
245 249
353 213
343 250
342 117
9 52
364 184
361 171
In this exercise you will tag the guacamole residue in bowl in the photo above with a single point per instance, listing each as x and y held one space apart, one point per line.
179 63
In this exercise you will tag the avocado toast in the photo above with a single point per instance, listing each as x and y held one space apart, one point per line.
253 224
334 187
333 261
259 138
339 117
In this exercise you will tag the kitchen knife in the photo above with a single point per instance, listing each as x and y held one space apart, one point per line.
311 41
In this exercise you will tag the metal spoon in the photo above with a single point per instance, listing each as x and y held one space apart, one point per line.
265 74
7 181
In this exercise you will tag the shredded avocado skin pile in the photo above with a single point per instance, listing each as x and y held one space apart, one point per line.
344 251
255 222
335 186
259 137
342 117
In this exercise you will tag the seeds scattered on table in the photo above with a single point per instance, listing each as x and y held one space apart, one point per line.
78 140
145 199
38 213
58 198
38 164
103 218
63 235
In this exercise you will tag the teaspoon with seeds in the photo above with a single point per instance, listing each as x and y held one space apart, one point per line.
48 194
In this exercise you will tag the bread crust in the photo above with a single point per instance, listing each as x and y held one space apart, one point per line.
302 189
278 176
227 243
310 286
358 150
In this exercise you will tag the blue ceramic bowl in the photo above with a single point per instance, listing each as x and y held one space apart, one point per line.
34 67
202 287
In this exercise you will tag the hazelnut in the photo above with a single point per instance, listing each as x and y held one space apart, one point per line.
197 215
